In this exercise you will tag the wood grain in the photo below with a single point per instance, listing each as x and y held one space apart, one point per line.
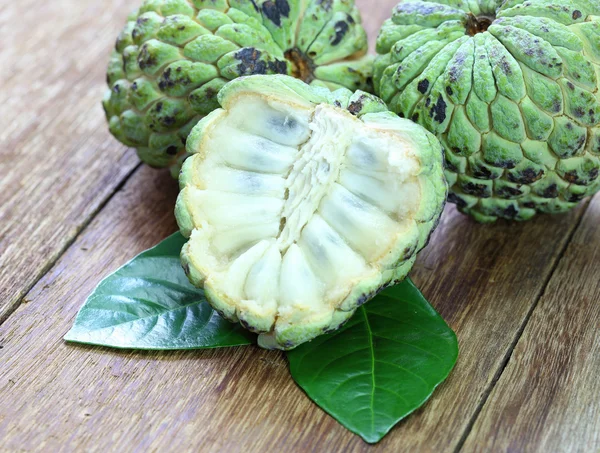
58 164
485 280
244 399
548 398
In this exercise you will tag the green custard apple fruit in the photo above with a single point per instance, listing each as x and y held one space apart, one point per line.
174 56
511 89
301 204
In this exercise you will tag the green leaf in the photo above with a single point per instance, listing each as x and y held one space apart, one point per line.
150 304
381 366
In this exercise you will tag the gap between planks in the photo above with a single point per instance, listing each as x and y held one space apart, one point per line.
60 252
519 332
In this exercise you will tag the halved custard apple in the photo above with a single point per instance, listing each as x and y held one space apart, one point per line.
300 204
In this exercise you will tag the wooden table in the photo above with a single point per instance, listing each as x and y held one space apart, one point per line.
524 299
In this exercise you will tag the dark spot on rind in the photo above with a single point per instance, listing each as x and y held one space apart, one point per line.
274 10
478 190
527 176
510 212
454 198
210 93
575 197
253 329
145 59
576 14
449 91
423 86
573 177
341 28
251 64
550 192
438 111
450 166
355 107
482 172
509 192
172 150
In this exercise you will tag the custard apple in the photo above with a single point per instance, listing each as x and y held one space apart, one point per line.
174 56
301 204
511 89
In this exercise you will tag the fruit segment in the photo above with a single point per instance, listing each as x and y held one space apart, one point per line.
297 210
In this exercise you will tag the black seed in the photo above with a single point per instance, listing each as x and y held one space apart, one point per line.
576 14
172 150
415 117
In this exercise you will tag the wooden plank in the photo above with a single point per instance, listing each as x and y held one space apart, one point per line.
58 164
548 398
484 280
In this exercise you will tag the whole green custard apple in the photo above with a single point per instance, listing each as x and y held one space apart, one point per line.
511 89
301 204
174 56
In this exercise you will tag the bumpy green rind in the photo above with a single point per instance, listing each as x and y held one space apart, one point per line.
370 110
174 56
516 107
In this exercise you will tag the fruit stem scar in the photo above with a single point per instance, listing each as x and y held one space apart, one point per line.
302 66
478 24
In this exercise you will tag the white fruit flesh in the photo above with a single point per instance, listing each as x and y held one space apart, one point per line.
294 205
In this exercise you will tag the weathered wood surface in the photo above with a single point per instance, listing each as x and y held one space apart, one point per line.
57 163
485 280
548 398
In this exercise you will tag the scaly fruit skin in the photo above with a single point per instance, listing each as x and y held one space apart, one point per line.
511 89
391 266
174 56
